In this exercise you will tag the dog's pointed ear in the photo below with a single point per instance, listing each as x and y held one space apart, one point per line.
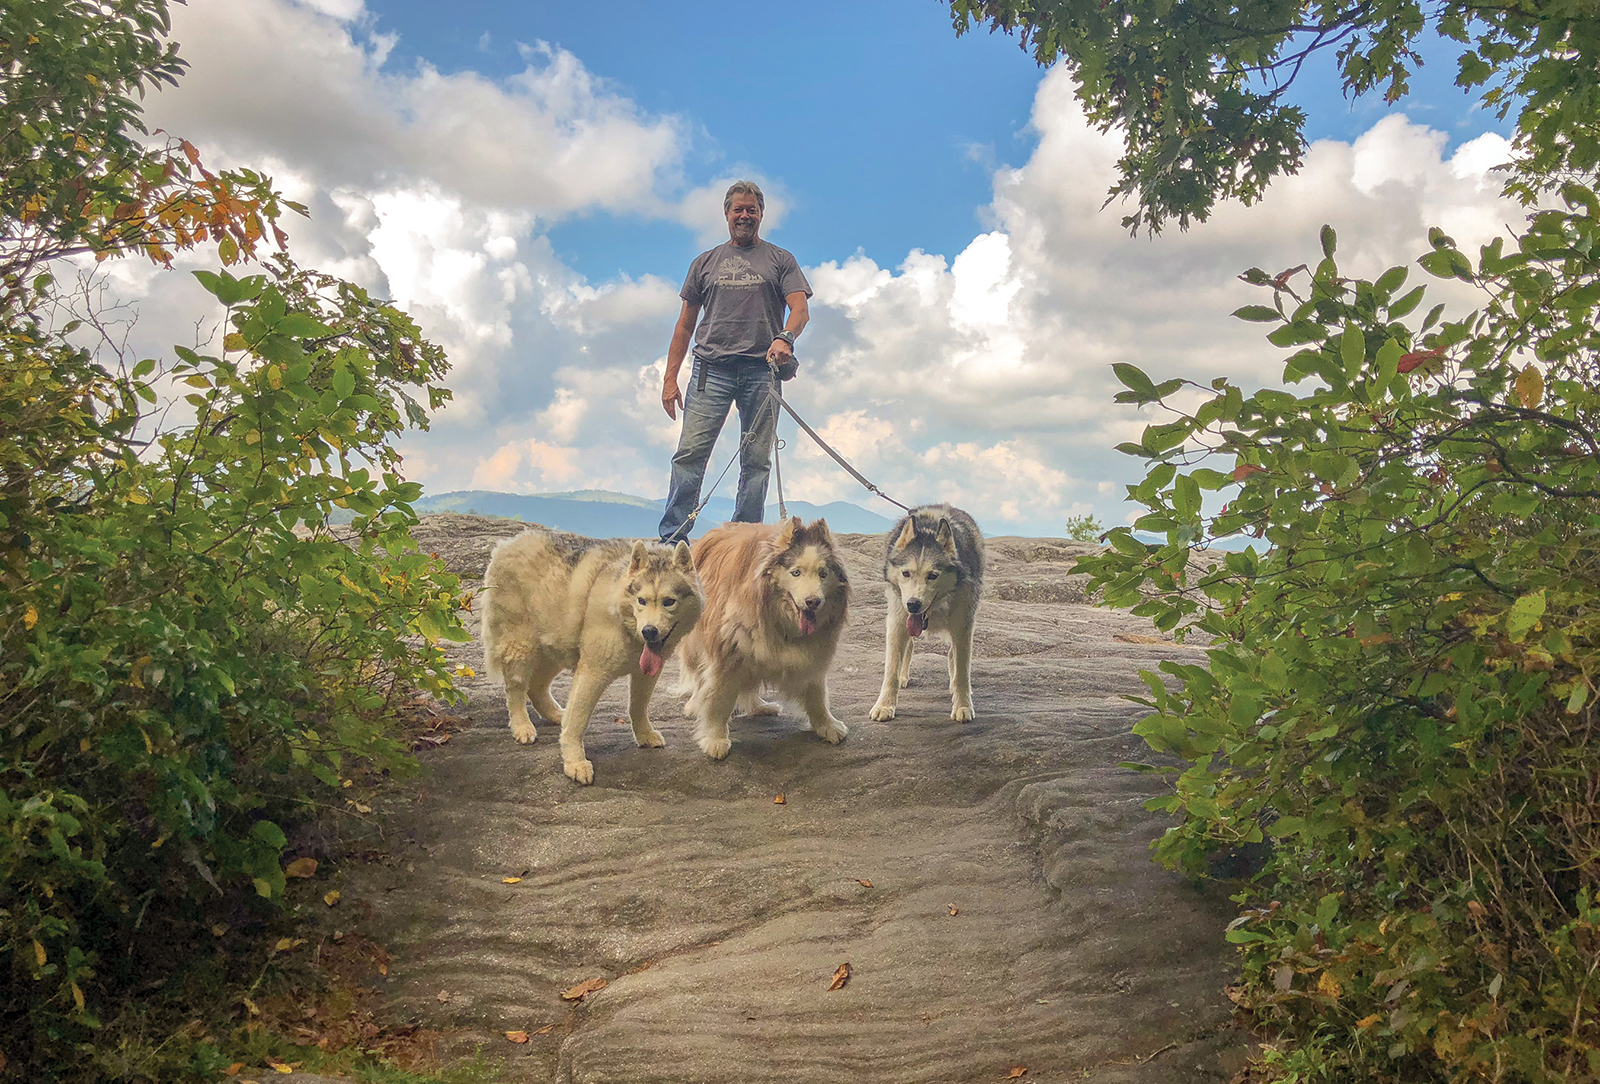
818 530
946 538
908 534
682 558
791 527
640 556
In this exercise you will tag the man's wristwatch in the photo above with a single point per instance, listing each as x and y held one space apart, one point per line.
787 336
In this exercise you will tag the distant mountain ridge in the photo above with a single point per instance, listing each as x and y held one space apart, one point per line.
601 513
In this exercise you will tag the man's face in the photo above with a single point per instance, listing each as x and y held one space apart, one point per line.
744 219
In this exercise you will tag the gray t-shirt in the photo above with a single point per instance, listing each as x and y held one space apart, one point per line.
741 292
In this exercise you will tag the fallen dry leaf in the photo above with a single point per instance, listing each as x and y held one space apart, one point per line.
332 898
288 944
233 1070
301 867
546 1030
841 975
1017 1071
443 996
1368 1021
1136 638
383 969
250 1007
511 880
517 1036
780 800
954 910
280 1067
583 989
218 930
863 883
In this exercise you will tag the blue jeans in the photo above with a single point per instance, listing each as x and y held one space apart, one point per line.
745 383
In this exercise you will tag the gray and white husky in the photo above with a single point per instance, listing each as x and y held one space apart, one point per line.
934 571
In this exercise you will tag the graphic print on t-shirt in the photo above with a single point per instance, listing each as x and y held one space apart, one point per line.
736 271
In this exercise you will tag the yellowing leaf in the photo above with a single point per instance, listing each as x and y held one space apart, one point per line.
234 341
219 930
136 678
1328 986
83 745
841 976
280 1067
77 997
1368 1021
135 497
39 954
275 377
30 617
511 880
332 898
780 800
233 1070
1530 387
253 437
250 1007
517 1036
301 867
583 989
287 944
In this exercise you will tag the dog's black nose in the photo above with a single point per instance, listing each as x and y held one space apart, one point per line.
914 606
813 602
650 633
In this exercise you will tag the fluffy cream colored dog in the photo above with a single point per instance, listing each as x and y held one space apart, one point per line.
601 609
776 602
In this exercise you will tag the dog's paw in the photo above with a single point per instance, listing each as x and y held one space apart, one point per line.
579 771
962 712
905 679
881 712
764 707
715 748
651 740
832 731
523 731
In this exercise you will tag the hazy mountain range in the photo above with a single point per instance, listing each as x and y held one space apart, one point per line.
600 513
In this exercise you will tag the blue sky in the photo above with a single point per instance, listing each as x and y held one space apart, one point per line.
531 180
882 126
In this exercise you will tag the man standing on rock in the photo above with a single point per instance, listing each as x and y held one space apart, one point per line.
743 286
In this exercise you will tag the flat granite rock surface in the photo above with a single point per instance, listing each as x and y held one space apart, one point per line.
988 883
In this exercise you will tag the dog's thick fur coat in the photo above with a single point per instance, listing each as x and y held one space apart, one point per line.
776 602
933 568
602 609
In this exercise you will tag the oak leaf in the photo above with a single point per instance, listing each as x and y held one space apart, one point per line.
583 989
841 976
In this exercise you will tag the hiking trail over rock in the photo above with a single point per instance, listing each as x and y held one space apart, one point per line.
988 883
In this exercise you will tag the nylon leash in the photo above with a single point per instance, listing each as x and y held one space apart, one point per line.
837 458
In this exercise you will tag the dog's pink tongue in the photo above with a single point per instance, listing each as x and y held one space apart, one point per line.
650 661
915 623
808 622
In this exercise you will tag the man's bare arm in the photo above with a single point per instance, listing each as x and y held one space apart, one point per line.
799 316
671 398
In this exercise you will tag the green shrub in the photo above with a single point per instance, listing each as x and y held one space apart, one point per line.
1400 689
188 653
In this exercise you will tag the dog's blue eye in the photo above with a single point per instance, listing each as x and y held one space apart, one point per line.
794 572
668 601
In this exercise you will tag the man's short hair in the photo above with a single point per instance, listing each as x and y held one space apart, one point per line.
745 188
